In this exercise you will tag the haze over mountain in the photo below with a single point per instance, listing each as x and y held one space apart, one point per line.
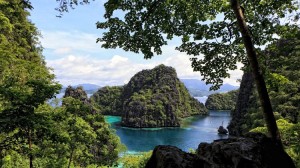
197 88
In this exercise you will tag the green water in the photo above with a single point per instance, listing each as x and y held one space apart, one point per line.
195 129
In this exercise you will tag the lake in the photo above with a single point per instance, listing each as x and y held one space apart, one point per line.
195 129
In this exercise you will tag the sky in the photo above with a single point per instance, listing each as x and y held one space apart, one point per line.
70 49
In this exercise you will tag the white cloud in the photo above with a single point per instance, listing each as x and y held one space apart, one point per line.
118 70
72 67
84 69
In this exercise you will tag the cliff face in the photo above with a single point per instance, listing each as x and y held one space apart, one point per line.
76 93
156 98
235 126
253 151
222 101
108 100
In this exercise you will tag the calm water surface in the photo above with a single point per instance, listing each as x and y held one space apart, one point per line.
195 129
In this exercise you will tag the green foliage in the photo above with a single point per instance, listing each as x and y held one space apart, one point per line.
282 72
146 26
108 100
222 101
96 142
70 135
157 98
25 83
290 137
135 161
31 131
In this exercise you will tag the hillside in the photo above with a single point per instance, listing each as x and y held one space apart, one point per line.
108 100
222 101
157 98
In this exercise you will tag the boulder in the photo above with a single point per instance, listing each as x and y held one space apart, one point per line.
222 130
253 151
172 157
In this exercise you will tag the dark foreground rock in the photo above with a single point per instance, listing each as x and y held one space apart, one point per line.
254 151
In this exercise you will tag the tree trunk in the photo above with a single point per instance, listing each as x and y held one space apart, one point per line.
30 149
260 83
70 159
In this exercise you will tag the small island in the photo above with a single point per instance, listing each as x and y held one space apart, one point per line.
222 101
152 98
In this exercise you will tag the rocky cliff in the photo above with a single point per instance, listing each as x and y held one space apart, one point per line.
157 98
245 100
253 151
76 93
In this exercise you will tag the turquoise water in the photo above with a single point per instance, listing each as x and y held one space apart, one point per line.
195 129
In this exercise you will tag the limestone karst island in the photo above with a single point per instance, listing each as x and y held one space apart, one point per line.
149 84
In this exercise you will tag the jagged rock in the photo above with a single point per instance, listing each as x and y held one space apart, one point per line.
253 151
76 93
172 157
235 126
157 98
80 94
222 130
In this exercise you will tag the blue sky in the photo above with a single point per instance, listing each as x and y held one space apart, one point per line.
70 48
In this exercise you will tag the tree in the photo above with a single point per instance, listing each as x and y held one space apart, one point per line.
25 81
101 145
218 33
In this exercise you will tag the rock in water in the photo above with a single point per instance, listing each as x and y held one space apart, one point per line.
157 98
253 151
222 130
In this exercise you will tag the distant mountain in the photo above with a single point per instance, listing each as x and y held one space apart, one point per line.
195 84
227 87
198 88
87 87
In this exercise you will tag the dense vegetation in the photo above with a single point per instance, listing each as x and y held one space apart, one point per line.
75 135
33 133
25 84
155 98
222 101
108 100
135 161
282 73
152 98
93 139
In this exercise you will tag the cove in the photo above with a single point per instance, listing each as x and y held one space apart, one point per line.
195 129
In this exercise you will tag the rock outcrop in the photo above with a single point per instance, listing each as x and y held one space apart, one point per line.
76 93
222 130
235 126
172 157
80 94
157 98
253 151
